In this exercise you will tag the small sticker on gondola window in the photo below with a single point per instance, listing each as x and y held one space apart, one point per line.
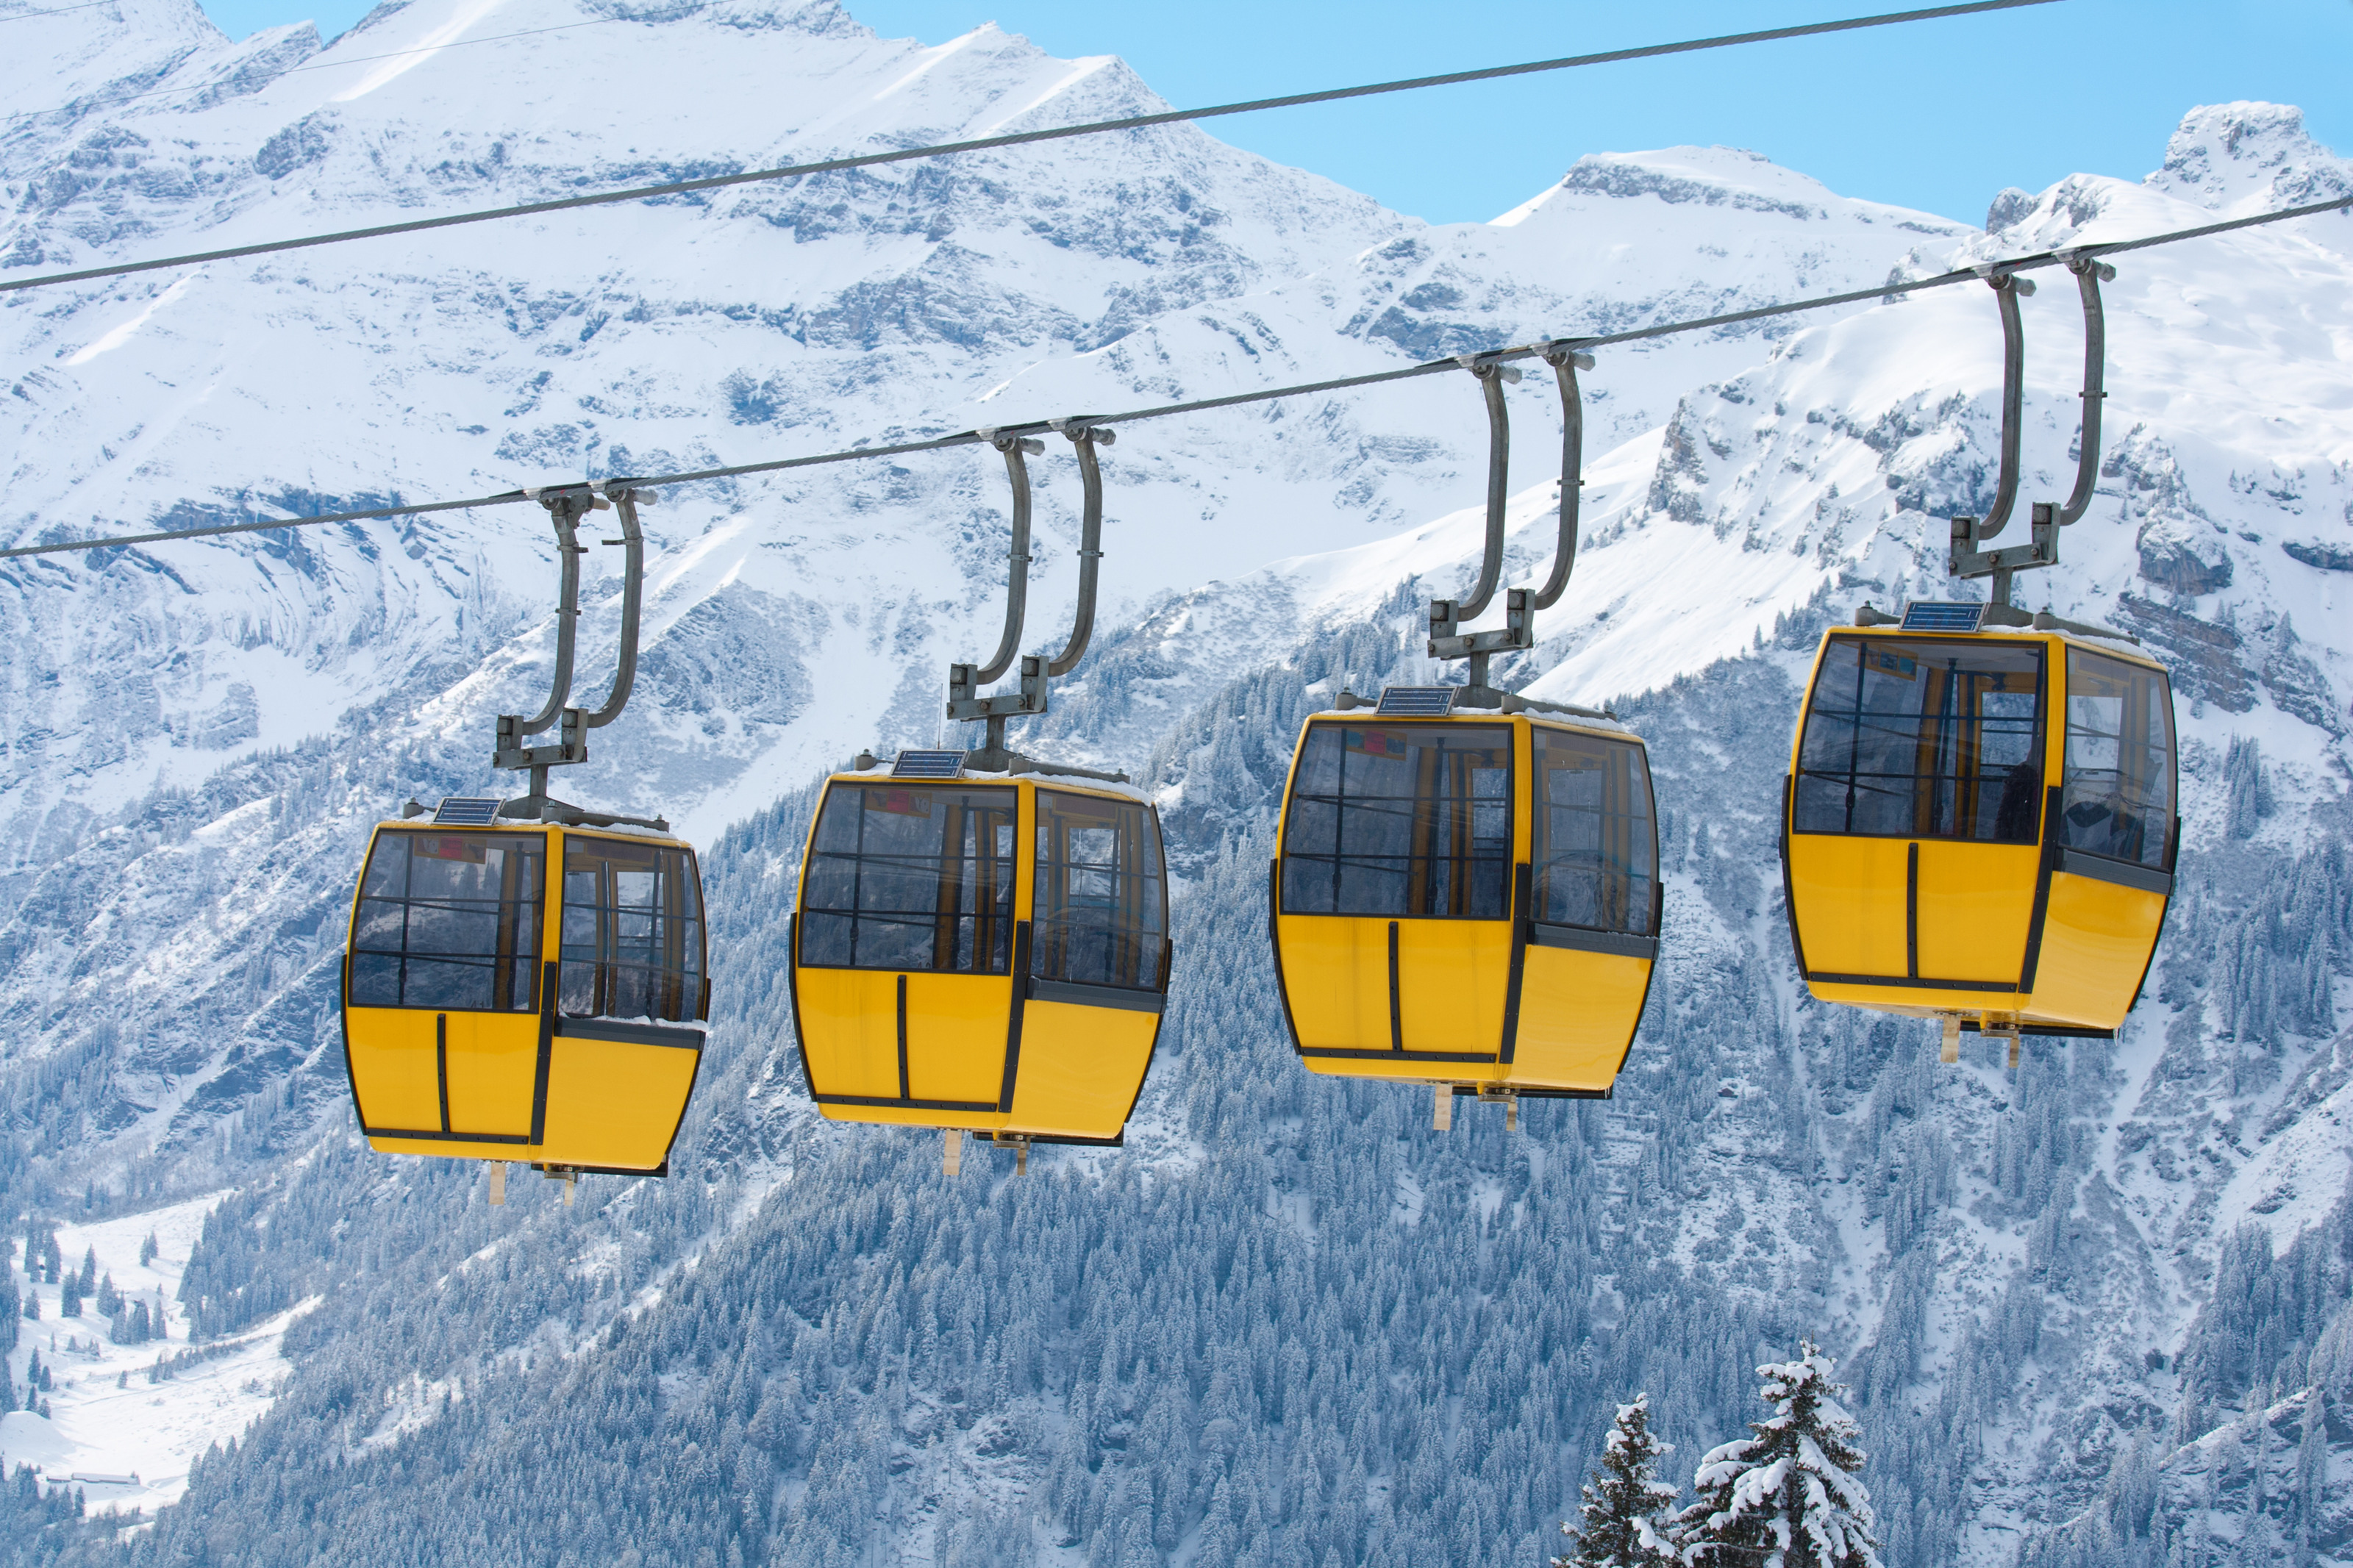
1378 742
470 850
1885 662
904 802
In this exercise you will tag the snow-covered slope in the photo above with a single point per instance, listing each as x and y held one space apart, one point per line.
196 737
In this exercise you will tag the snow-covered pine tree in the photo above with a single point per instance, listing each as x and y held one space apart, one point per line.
1787 1495
1619 1519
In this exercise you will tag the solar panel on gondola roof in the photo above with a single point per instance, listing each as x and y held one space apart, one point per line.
466 810
1943 615
928 765
1417 701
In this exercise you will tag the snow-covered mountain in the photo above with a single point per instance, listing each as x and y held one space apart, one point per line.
2070 1297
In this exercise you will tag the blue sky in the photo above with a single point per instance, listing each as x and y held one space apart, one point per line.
1939 115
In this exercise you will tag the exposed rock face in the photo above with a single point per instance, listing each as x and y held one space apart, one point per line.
2184 556
2235 157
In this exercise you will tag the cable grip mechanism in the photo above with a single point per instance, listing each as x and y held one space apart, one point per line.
1969 555
1030 697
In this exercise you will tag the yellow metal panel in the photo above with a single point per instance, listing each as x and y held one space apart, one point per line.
2096 941
610 1102
1335 969
955 1035
493 1067
1404 1069
1578 1012
1451 980
1079 1069
1849 897
1912 1000
390 1050
1976 901
1524 817
850 1030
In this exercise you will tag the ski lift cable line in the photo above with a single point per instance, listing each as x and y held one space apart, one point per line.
1884 291
1014 138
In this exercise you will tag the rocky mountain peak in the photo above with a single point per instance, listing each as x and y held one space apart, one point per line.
2245 157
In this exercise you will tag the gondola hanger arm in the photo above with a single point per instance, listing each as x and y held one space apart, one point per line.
625 501
1565 363
1018 449
1969 556
966 704
1084 437
2090 273
1493 376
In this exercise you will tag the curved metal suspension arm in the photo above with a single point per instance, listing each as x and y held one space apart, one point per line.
626 502
565 509
2089 275
1491 378
1565 363
1017 581
2007 288
1084 438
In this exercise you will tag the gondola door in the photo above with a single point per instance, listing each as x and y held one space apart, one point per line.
1917 814
911 907
443 997
1395 894
1593 904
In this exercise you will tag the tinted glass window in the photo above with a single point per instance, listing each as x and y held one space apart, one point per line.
450 920
2119 797
632 930
1401 819
1100 913
1924 740
911 878
1596 848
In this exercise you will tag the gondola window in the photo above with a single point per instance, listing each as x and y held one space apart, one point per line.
632 931
2119 797
1595 847
1400 820
912 878
449 921
1100 910
1924 740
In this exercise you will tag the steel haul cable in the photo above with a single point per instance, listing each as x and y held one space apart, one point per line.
1305 389
1019 139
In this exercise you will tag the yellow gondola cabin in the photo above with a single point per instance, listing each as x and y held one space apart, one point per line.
1468 900
528 992
1980 826
985 953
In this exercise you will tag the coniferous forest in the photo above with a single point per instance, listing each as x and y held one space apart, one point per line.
1288 1322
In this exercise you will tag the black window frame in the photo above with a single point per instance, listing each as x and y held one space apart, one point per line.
689 999
1049 952
2038 749
1647 914
519 964
1498 732
2067 771
997 944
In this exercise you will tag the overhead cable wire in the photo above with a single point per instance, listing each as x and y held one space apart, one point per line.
1016 139
1884 291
